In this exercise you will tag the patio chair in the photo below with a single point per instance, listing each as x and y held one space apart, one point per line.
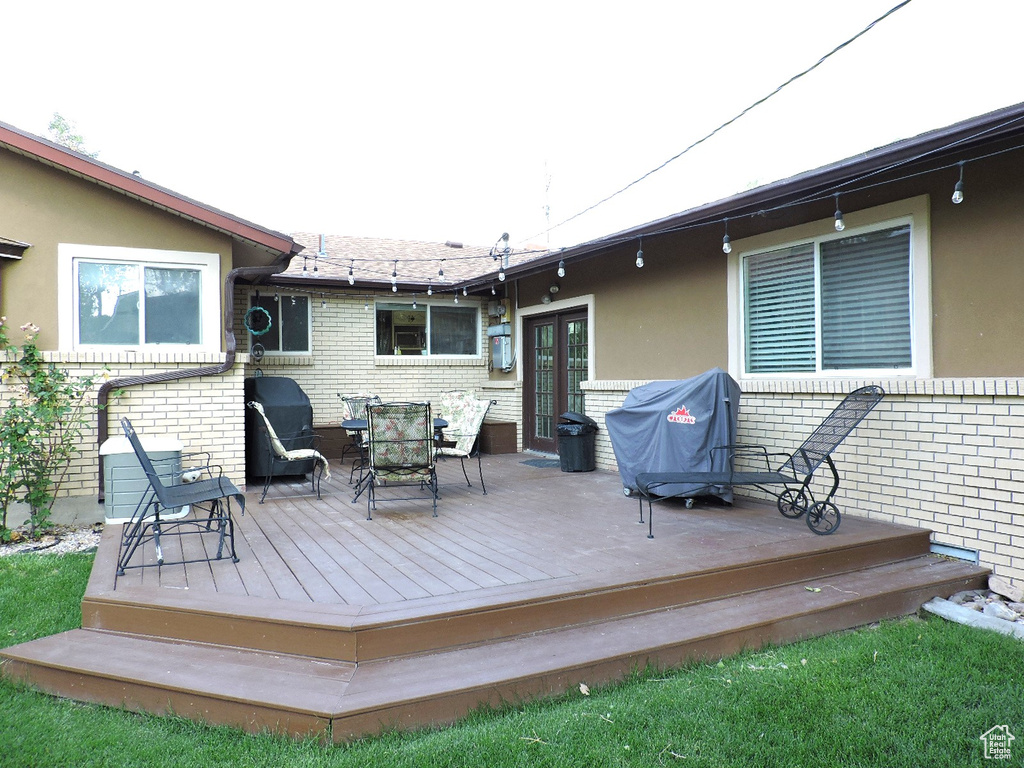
465 416
209 500
355 408
285 449
400 449
794 473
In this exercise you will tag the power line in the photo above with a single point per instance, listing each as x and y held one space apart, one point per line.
726 124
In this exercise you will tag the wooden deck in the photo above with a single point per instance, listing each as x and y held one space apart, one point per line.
335 625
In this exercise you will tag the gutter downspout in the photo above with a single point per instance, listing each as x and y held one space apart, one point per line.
103 396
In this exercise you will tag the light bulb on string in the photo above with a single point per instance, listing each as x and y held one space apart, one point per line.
501 274
351 276
456 297
440 271
493 291
323 302
305 272
430 290
414 302
840 224
465 291
958 190
640 255
726 242
561 268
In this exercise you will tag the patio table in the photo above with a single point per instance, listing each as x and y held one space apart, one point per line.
360 425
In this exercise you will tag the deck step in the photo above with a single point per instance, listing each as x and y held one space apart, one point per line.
369 633
301 696
249 689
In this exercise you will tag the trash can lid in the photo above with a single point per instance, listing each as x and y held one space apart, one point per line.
113 446
578 418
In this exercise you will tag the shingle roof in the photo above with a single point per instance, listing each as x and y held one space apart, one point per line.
373 260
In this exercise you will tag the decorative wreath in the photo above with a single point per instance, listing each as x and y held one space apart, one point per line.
257 321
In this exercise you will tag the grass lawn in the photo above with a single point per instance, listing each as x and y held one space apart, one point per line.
906 693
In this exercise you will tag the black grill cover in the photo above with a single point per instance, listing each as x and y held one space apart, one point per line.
288 409
671 426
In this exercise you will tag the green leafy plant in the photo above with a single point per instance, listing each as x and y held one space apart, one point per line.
40 428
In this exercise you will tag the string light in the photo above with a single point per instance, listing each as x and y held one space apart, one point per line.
726 243
501 273
430 290
305 272
366 304
351 276
456 297
316 262
414 301
958 190
561 268
493 292
440 271
640 254
840 224
465 291
323 302
394 278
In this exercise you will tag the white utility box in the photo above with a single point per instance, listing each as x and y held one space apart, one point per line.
125 485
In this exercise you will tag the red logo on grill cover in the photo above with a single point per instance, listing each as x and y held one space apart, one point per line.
682 416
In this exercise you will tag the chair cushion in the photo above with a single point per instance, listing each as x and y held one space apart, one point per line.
465 415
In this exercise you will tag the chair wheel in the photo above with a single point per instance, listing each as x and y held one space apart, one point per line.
823 518
792 503
627 491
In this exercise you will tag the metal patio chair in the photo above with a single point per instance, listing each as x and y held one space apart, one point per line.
285 449
794 473
465 415
209 500
355 408
400 451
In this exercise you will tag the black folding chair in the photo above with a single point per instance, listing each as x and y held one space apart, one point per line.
209 500
794 473
282 450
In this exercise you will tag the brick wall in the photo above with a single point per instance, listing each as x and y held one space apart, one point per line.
205 413
343 360
942 454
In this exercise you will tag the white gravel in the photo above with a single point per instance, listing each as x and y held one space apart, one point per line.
58 541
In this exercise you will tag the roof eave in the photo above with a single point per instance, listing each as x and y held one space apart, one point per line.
140 189
954 140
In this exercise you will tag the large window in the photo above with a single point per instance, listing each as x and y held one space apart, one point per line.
832 305
427 329
128 298
289 323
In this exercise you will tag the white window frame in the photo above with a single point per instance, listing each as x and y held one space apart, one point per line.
913 211
276 322
208 265
463 302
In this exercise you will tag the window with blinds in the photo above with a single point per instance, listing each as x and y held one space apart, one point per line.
830 305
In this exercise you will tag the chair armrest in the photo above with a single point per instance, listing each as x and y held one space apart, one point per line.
295 440
743 452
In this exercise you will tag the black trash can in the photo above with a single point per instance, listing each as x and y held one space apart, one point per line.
576 436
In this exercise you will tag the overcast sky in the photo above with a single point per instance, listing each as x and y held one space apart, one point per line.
462 120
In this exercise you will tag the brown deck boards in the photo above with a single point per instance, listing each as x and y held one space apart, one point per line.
548 575
536 525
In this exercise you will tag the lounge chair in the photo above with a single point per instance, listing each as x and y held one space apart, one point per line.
794 473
